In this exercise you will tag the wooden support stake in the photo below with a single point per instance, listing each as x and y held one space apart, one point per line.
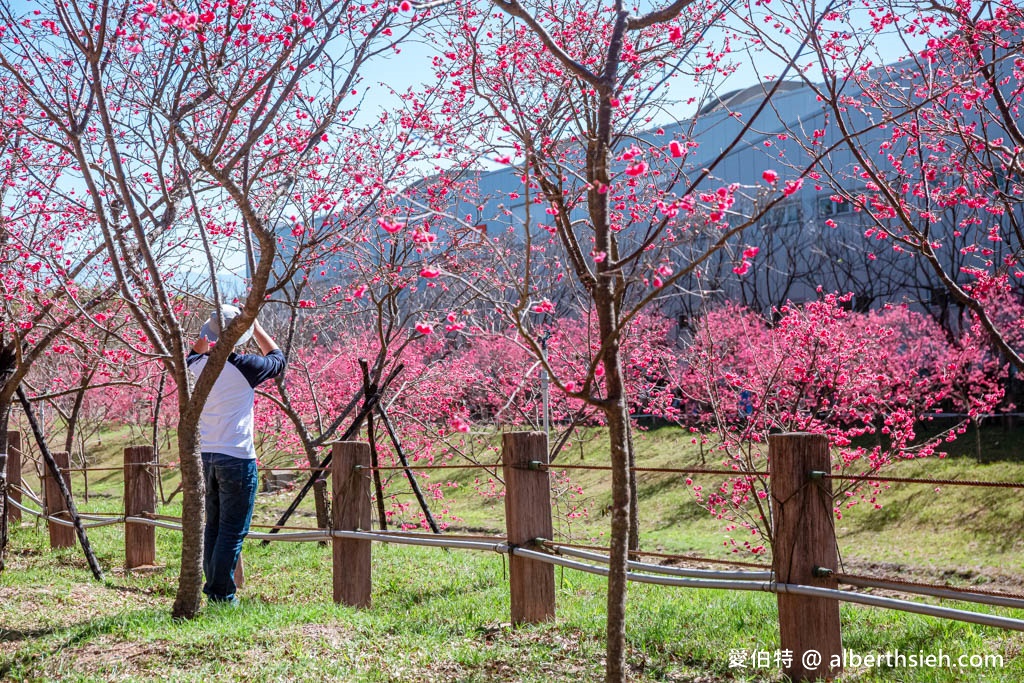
139 499
350 511
528 517
61 536
352 430
14 476
804 539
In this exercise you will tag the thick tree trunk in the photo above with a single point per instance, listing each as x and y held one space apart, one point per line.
190 578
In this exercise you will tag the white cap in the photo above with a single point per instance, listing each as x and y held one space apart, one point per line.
212 327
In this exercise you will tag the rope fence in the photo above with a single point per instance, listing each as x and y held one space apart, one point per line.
918 480
641 572
804 573
600 468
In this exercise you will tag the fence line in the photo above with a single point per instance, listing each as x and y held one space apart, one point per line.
986 597
903 606
919 480
666 556
803 575
603 468
792 589
498 544
665 470
658 568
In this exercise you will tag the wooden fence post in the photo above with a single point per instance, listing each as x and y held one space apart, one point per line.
527 517
350 511
804 539
14 476
61 536
139 499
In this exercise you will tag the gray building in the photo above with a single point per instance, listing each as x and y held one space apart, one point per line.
809 240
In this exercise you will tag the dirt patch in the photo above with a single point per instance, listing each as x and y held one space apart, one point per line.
331 636
41 607
117 657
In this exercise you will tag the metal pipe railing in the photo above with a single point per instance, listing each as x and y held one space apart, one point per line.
662 569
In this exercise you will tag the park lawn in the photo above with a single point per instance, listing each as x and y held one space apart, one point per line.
443 615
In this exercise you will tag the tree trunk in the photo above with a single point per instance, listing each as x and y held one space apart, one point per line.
5 413
76 411
155 435
321 503
618 420
63 485
190 578
634 499
978 451
617 413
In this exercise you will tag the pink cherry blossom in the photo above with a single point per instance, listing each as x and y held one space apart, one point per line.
389 225
637 169
544 306
792 186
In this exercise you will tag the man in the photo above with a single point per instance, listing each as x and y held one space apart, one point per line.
229 457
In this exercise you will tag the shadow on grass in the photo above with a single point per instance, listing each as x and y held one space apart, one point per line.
682 506
983 514
10 635
51 640
404 596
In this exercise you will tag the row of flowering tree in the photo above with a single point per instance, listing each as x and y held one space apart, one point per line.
182 137
872 382
144 141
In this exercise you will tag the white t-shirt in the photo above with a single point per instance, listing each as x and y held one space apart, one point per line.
227 421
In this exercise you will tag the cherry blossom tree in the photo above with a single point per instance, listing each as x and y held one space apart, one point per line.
603 216
46 261
372 290
935 176
190 130
865 380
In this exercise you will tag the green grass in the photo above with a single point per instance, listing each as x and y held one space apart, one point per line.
443 615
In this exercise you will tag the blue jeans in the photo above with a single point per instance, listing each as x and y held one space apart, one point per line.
230 495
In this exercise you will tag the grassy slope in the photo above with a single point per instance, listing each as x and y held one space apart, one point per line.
952 530
442 615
